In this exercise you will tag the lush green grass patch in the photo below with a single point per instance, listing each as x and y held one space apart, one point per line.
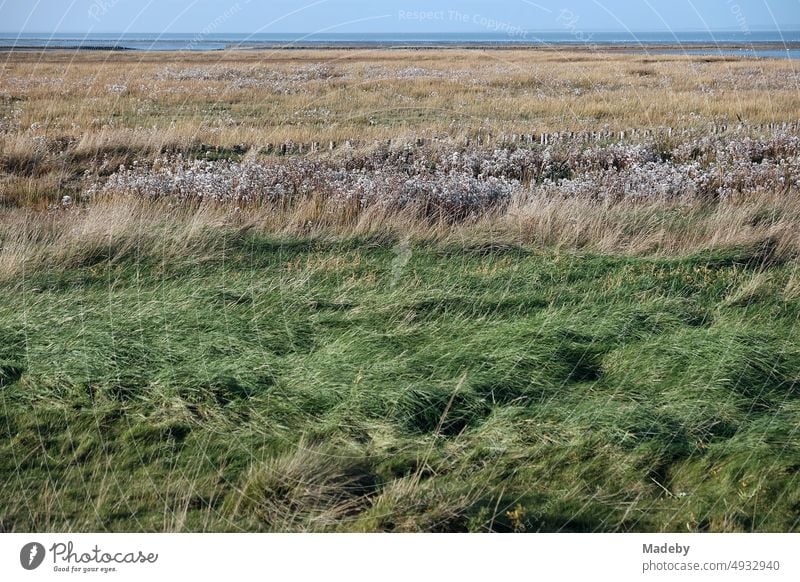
301 385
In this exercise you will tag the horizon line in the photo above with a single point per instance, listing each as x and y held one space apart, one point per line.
761 28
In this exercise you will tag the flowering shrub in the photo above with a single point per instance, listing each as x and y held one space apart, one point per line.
443 179
276 81
453 194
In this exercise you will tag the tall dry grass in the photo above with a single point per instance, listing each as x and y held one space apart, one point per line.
65 114
116 228
104 100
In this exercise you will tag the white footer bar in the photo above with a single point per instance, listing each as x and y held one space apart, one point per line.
406 558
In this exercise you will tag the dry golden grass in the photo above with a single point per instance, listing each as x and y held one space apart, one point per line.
118 228
65 112
112 100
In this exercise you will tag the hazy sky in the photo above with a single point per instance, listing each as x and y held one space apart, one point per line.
251 16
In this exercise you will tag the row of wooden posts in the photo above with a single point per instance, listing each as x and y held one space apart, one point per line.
289 147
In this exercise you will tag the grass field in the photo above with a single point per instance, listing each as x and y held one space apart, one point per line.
301 385
580 337
62 112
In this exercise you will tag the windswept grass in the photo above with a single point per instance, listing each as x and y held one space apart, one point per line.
253 382
413 336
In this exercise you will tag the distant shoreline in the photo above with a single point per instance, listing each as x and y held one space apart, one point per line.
674 48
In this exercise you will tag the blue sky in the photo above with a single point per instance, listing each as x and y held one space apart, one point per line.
251 16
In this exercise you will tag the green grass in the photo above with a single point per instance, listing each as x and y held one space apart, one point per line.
287 385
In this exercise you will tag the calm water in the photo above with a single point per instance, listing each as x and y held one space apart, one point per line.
682 41
792 54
